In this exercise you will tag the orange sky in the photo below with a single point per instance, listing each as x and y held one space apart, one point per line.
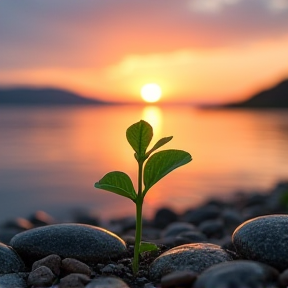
196 50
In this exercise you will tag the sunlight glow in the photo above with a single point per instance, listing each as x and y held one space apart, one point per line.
153 115
151 92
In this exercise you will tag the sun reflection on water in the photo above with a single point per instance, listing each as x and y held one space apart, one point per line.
153 115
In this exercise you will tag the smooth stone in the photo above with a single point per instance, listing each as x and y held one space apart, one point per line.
175 228
89 244
13 280
41 276
52 261
74 280
178 278
200 214
212 228
190 257
70 265
264 239
107 282
190 237
10 260
237 274
163 217
283 278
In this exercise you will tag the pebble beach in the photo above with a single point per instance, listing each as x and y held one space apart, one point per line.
240 242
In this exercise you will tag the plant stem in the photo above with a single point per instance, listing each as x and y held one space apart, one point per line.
138 233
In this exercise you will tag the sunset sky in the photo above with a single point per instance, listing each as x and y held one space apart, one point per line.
196 50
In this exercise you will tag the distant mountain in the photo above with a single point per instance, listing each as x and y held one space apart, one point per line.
44 96
275 97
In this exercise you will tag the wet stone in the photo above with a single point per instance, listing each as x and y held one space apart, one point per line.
53 262
13 280
264 239
10 261
237 274
107 282
190 257
89 244
42 276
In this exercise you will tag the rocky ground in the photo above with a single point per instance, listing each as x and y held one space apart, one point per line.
241 242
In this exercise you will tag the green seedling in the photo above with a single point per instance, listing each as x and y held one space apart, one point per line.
157 165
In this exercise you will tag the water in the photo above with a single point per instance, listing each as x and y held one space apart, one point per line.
50 157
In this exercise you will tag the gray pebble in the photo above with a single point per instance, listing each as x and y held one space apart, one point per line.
10 261
107 282
264 239
74 280
192 257
237 274
13 280
42 276
52 261
89 244
70 265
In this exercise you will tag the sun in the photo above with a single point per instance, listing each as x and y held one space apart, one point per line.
151 92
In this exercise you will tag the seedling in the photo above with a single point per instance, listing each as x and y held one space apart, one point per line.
139 136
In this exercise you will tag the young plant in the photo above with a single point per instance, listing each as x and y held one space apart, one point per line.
139 136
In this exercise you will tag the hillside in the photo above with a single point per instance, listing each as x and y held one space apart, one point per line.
44 96
275 97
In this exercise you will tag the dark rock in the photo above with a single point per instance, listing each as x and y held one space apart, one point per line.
10 260
20 224
264 239
52 261
86 243
237 274
190 237
70 265
107 282
283 278
176 228
200 214
191 257
163 217
41 276
212 228
74 280
231 219
13 280
178 278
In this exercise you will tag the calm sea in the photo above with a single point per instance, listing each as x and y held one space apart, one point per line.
50 157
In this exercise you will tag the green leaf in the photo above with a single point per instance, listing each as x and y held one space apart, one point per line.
147 246
159 144
139 135
118 183
161 163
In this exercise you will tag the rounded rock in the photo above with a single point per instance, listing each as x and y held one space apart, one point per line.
237 274
13 280
107 282
10 260
41 276
89 244
190 257
264 239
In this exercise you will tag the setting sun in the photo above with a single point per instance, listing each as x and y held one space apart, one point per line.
151 92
